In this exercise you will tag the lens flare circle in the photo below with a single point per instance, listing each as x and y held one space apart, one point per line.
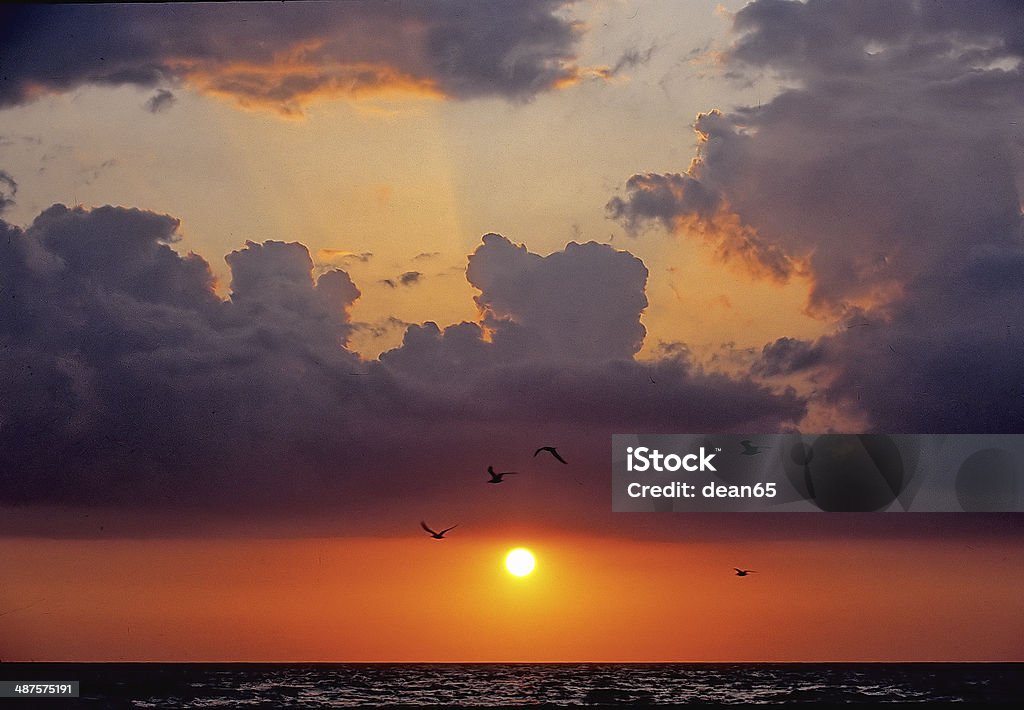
520 562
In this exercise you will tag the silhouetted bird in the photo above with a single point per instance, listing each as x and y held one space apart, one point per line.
750 449
553 452
437 535
496 477
743 572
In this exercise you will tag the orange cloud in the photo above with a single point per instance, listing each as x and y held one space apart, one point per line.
288 87
284 56
739 244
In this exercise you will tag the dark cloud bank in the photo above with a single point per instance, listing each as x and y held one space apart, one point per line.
130 383
891 172
281 54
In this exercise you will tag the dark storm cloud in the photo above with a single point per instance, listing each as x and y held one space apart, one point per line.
406 278
787 356
382 327
681 202
857 37
282 54
8 189
948 359
663 198
129 379
580 303
888 171
129 383
162 100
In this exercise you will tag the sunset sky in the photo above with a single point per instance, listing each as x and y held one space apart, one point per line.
279 281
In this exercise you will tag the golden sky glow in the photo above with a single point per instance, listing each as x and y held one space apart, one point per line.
409 599
398 176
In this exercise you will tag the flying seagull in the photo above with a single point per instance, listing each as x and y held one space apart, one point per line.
436 535
743 572
553 452
496 477
750 449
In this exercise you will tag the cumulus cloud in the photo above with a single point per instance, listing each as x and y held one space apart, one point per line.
130 378
129 383
888 171
581 303
162 100
664 198
282 56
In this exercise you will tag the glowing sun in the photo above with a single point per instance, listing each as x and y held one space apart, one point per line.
520 562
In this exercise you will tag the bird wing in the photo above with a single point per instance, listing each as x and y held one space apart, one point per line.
553 452
424 526
447 529
738 569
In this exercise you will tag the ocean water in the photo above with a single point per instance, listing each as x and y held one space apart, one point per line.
517 685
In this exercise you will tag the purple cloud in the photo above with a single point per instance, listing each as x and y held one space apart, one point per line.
283 55
131 384
888 171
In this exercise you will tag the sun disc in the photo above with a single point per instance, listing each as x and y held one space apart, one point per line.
520 562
